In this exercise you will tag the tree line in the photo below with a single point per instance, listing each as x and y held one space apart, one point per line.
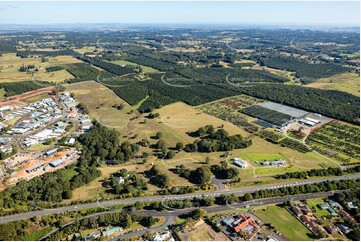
212 140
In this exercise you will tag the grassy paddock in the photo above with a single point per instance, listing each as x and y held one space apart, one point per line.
11 63
284 222
346 82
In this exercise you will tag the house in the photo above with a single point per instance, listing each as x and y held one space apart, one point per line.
316 228
162 236
228 222
332 229
307 219
306 210
246 226
72 114
239 162
350 205
121 180
93 236
347 216
71 141
344 228
326 206
335 205
110 231
297 211
4 140
86 128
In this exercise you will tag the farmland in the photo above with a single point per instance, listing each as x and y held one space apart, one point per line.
146 69
346 82
10 71
228 109
337 140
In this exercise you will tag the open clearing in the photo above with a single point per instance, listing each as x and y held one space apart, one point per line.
346 82
99 101
288 225
10 72
146 69
202 232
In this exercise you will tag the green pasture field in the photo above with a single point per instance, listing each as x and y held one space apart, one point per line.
284 222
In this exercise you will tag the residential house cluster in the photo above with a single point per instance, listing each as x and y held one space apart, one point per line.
53 131
305 214
68 100
5 144
38 114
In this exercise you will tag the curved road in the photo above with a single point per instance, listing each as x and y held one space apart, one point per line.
170 215
239 191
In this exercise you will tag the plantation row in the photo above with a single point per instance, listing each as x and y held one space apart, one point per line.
26 53
156 64
110 67
335 104
85 72
338 137
221 75
278 138
304 69
16 88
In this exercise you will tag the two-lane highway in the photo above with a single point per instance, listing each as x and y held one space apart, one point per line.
239 191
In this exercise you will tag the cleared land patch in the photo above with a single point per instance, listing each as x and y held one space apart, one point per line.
146 69
10 71
346 82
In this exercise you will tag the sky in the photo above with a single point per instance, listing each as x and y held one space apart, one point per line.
330 13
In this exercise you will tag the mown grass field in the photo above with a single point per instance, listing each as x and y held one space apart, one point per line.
10 64
284 222
346 82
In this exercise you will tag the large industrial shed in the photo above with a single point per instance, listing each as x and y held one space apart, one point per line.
276 114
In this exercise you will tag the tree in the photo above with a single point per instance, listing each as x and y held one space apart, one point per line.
128 221
179 146
202 175
170 154
247 197
198 214
149 221
160 144
159 135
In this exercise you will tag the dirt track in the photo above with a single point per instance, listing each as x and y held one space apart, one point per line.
17 98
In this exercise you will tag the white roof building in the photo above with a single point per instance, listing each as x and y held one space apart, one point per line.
239 162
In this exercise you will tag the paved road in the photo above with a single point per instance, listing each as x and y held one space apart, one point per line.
239 191
170 215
